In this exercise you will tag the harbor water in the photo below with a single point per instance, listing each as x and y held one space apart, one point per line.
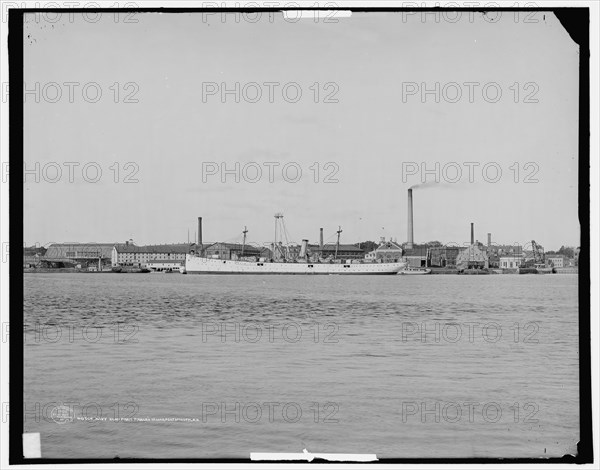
200 366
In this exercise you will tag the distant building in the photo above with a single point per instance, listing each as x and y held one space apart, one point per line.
129 254
473 257
387 252
60 255
344 251
443 256
33 255
235 251
558 261
511 262
416 256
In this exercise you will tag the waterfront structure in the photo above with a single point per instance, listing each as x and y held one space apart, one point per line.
442 256
472 257
33 255
60 255
129 254
416 256
558 261
512 261
386 251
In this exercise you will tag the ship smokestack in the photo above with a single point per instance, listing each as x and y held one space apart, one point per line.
303 249
472 233
321 238
200 234
410 234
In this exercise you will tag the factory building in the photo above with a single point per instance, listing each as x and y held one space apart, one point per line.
472 257
129 254
442 256
84 255
416 256
475 256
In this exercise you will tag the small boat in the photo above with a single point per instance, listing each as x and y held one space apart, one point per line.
412 270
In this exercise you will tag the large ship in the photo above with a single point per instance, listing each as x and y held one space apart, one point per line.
281 262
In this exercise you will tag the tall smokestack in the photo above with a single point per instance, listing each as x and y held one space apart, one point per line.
489 240
410 238
200 234
321 238
472 233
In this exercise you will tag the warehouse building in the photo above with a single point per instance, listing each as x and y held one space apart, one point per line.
83 255
129 254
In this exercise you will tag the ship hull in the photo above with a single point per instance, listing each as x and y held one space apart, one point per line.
198 265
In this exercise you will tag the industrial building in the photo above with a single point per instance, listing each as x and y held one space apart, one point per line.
475 256
442 256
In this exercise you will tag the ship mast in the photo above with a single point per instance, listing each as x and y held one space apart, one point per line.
244 242
278 217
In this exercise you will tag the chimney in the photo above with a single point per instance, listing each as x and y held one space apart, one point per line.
410 241
200 234
489 240
472 233
321 238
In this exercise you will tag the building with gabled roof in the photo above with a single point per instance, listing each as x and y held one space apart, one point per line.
386 251
129 254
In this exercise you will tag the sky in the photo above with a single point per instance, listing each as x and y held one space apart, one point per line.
161 132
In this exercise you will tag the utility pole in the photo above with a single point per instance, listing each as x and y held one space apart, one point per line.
337 245
244 242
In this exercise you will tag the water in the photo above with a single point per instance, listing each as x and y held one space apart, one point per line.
187 367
